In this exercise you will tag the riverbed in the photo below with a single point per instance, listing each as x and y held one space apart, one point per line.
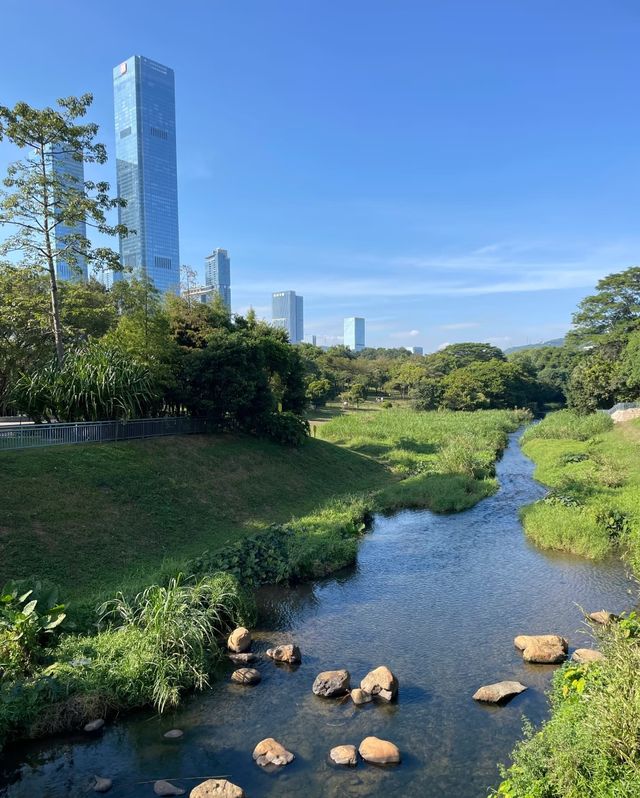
437 598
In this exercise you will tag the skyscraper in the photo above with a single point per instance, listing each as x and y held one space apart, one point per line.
287 312
145 117
69 178
217 274
354 333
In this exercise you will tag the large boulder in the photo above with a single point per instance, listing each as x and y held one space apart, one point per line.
358 696
239 640
380 682
246 676
603 617
498 692
217 788
271 752
344 755
583 656
332 683
379 752
166 788
101 784
287 653
543 649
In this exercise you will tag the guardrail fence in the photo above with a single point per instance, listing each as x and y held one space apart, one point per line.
30 436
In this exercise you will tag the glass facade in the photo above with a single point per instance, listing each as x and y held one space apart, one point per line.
68 174
145 120
217 274
354 333
287 312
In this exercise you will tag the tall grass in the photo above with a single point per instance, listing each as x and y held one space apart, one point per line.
569 425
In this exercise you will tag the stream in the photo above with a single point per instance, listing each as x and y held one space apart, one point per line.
437 598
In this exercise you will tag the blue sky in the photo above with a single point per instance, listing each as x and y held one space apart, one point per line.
450 169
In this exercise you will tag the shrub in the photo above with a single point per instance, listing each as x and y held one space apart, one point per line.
286 428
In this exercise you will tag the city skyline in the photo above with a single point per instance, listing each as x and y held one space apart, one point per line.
146 164
494 192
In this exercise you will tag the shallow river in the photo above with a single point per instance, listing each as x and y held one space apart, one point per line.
437 598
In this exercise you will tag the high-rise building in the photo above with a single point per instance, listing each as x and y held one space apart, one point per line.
68 176
145 117
287 312
416 350
217 274
354 333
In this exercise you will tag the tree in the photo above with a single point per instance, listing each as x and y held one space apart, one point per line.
318 391
427 395
593 384
39 201
607 318
490 384
456 356
629 371
551 366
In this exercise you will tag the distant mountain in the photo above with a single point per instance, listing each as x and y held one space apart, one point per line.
553 342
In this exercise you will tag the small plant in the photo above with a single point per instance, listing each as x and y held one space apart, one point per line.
614 522
574 458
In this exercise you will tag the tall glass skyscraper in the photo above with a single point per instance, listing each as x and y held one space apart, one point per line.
217 274
145 117
287 312
69 178
354 333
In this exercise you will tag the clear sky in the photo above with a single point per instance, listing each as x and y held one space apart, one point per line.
449 169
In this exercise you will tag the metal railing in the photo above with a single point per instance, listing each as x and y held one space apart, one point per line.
36 435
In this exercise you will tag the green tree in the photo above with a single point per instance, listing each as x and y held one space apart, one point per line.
491 384
551 366
594 384
37 199
607 318
629 371
318 391
456 356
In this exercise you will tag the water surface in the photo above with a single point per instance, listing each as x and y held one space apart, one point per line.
437 598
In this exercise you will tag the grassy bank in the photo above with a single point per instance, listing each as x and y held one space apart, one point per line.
589 746
234 512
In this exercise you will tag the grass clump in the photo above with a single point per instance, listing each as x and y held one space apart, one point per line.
589 747
569 425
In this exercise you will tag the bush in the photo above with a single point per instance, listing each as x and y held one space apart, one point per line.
286 428
570 425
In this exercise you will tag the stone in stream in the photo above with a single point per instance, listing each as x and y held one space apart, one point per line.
94 725
242 659
542 649
217 788
500 692
379 752
239 640
380 682
358 696
101 784
344 755
583 656
173 734
162 787
287 653
271 752
602 617
246 676
329 684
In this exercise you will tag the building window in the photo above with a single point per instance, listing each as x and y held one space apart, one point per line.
159 133
125 132
162 263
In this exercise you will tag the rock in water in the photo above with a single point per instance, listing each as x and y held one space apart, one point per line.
242 659
380 682
163 787
358 696
173 734
379 752
288 653
344 755
543 649
332 683
239 640
603 617
101 785
583 656
94 725
498 692
271 752
217 788
246 676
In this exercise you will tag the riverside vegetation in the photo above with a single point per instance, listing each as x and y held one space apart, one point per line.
389 459
589 746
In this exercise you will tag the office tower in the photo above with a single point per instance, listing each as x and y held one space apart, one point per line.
416 350
354 333
217 274
145 117
287 313
69 180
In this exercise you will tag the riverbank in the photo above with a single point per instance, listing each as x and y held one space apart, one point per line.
589 746
439 460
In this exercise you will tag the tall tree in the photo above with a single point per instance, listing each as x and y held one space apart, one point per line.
38 200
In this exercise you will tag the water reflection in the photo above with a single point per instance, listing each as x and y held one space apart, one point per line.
437 598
